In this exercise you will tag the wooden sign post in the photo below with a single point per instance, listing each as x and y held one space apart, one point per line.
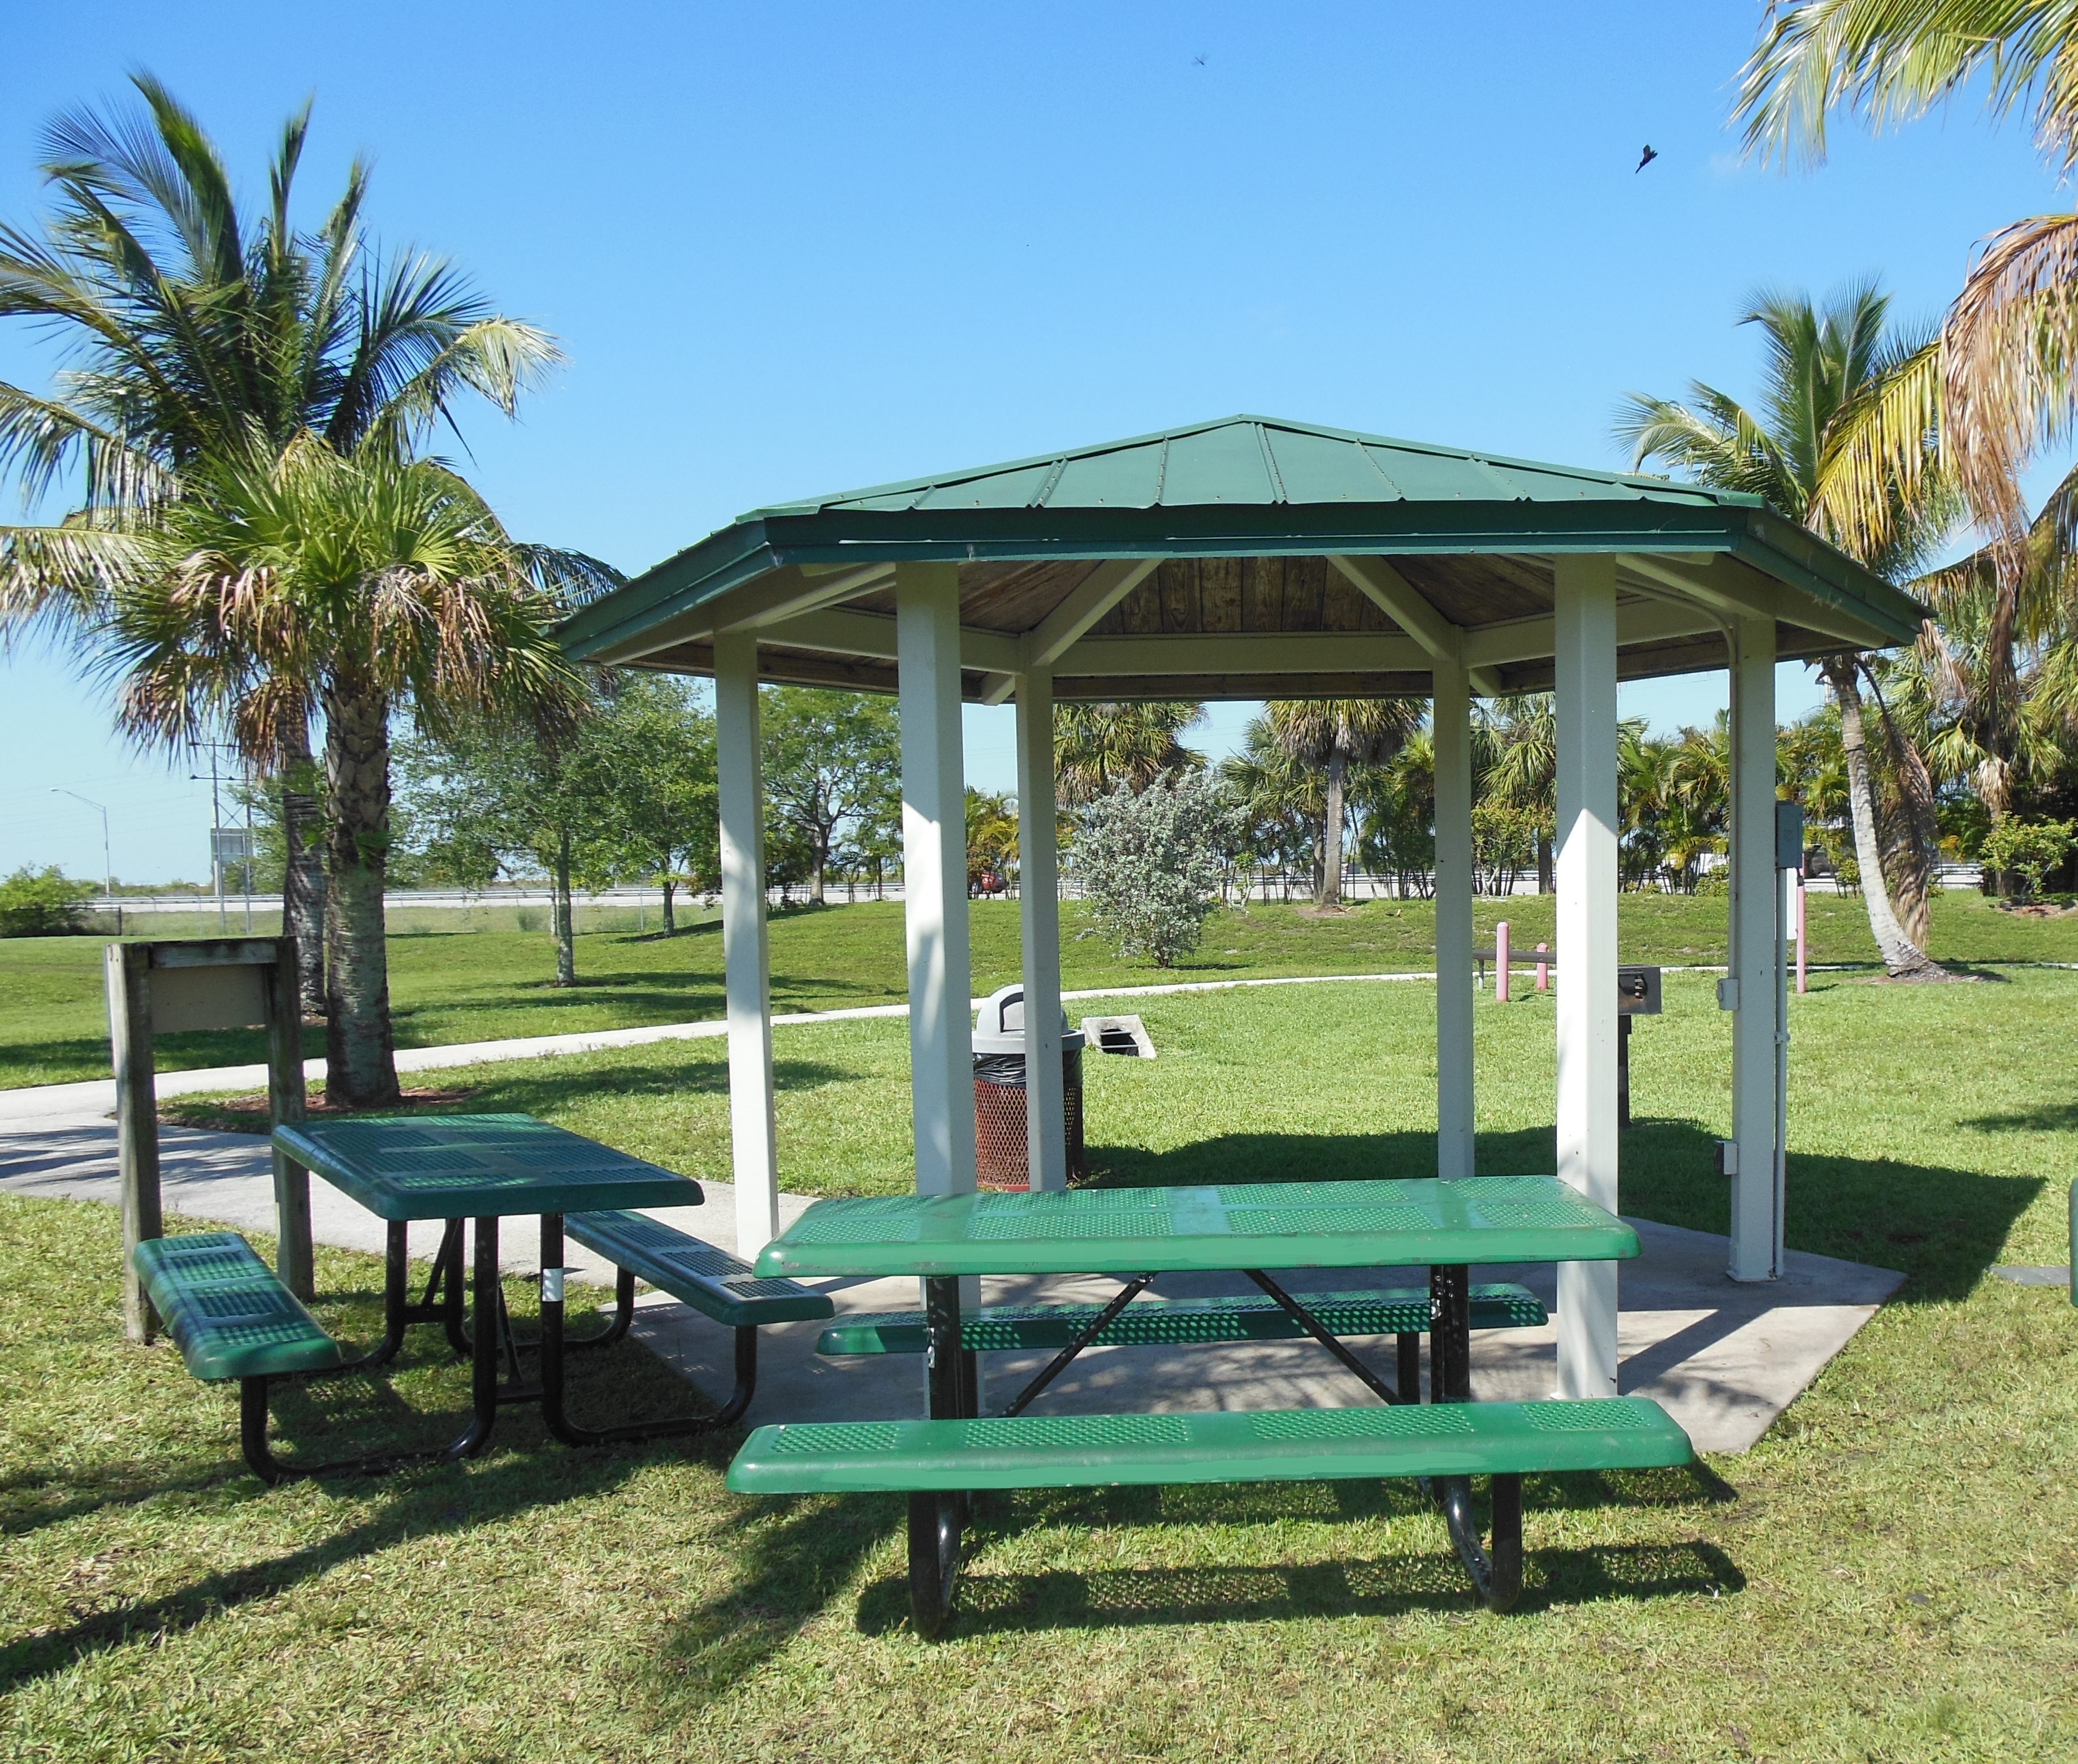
203 984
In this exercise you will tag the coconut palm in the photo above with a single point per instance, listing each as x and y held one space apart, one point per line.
1826 370
2003 361
192 326
369 584
1335 734
1098 747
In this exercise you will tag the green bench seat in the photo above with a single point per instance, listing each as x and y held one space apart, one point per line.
1165 1322
710 1280
227 1313
940 1465
1078 1451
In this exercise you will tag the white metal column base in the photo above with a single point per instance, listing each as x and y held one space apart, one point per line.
1588 1301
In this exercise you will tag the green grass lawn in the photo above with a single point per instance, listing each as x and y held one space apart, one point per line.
1893 1573
488 984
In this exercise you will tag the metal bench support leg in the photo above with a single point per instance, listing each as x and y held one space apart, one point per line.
253 1419
553 1384
1497 1578
934 1559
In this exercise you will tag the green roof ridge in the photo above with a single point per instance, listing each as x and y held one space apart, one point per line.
1058 459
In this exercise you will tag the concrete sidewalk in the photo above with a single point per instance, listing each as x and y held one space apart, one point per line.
1725 1359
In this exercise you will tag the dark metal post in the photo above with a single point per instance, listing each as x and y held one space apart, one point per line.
483 1371
293 1259
945 1376
1449 1335
137 1120
1623 1069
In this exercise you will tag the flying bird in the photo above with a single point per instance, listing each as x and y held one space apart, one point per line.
1197 60
1651 153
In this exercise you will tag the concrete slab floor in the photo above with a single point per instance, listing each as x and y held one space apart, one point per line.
1725 1359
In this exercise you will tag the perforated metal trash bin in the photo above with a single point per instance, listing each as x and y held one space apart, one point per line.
1001 1153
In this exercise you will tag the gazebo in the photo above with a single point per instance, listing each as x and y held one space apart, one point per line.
1250 558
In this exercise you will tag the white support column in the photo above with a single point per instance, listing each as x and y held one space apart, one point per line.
1751 979
934 876
1455 1090
1585 635
746 956
1039 923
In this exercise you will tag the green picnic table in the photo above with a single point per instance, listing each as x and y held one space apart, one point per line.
1249 1227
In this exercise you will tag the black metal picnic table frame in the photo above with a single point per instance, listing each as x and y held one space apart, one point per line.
479 1330
938 1520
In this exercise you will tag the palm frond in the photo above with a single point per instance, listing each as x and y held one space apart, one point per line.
1893 60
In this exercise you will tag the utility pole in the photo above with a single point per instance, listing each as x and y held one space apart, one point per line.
215 839
107 868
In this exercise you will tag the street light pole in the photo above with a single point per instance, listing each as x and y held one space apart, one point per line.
107 868
215 844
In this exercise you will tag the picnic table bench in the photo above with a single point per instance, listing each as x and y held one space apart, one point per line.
1252 1227
231 1319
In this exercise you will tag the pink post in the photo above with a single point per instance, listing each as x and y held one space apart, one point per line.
1500 963
1799 934
1544 969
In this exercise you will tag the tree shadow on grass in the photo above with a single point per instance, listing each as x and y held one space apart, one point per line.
796 1554
2048 1117
1427 1577
1942 1226
525 1469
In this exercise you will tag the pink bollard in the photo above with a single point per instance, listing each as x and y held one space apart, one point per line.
1544 969
1799 934
1500 963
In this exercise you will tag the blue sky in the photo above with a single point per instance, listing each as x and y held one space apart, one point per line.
795 248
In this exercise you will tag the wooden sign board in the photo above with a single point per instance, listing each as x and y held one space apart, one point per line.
209 997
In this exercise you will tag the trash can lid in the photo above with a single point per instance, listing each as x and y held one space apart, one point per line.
999 1024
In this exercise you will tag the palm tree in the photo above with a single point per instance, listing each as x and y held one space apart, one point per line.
1335 734
2003 363
368 584
1097 747
1278 800
1516 740
192 328
1826 370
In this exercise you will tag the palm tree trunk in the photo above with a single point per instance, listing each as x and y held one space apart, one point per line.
1902 958
360 1065
1330 892
303 875
566 946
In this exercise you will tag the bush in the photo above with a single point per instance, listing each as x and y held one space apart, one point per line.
1151 863
2028 849
43 903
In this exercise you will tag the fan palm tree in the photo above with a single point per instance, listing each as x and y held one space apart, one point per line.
1098 747
193 327
369 584
2003 363
1826 369
1336 734
1516 740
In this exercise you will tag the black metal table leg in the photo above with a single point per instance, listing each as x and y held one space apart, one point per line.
483 1345
937 1518
1497 1578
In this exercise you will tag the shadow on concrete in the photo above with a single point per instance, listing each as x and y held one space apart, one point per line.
1942 1227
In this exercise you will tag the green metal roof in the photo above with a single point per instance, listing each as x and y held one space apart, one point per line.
1254 462
1456 520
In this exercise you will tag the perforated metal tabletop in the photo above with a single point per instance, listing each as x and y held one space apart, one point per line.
1486 1218
476 1166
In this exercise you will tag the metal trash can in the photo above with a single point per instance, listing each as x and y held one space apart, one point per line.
1001 1153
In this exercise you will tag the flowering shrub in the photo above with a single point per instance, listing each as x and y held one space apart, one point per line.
1151 861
